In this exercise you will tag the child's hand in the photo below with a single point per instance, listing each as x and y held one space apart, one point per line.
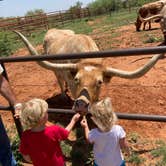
84 122
76 117
73 121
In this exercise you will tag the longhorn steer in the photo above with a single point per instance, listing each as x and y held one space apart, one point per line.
84 77
162 17
148 10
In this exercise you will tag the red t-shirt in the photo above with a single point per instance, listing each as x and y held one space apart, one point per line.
44 147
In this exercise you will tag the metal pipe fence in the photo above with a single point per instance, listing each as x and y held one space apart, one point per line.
99 54
126 116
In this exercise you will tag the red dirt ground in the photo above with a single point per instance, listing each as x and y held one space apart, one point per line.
145 95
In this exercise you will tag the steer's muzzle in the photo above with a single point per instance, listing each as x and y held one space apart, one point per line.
81 105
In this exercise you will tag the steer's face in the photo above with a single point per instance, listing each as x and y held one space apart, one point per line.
88 81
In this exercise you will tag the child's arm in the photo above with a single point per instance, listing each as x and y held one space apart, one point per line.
84 124
124 145
73 121
27 158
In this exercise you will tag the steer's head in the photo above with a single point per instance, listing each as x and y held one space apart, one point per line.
87 81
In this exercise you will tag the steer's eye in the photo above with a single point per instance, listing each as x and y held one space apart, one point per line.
99 82
73 73
76 80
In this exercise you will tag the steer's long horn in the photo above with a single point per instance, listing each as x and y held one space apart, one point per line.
61 66
136 73
46 64
150 18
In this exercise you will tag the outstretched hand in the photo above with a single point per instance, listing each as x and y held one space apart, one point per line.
73 121
76 117
83 122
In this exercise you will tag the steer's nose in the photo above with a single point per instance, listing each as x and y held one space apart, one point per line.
81 106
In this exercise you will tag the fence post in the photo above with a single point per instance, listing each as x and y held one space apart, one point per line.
89 14
45 21
72 15
60 14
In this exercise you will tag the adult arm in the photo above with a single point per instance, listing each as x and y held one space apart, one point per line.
6 90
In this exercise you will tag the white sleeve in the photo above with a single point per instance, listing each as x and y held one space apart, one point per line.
91 136
121 132
1 69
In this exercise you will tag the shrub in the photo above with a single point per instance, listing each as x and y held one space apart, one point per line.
5 45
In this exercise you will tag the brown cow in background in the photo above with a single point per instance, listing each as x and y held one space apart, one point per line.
148 10
162 17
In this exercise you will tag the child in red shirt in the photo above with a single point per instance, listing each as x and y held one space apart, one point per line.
40 144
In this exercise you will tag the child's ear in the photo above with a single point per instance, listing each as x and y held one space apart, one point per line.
41 120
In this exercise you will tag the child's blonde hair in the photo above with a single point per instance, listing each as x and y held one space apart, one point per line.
33 112
103 114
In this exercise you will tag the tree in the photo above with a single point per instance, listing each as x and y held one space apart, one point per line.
76 9
35 12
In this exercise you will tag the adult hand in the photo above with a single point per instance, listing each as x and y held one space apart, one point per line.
17 109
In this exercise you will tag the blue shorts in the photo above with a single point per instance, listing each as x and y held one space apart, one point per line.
6 156
123 163
95 164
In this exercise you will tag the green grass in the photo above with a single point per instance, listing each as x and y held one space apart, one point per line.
150 38
9 41
116 19
15 149
160 152
79 26
37 37
135 159
121 18
5 44
133 137
66 148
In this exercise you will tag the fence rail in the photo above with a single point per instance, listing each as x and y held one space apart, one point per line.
99 54
44 20
127 116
